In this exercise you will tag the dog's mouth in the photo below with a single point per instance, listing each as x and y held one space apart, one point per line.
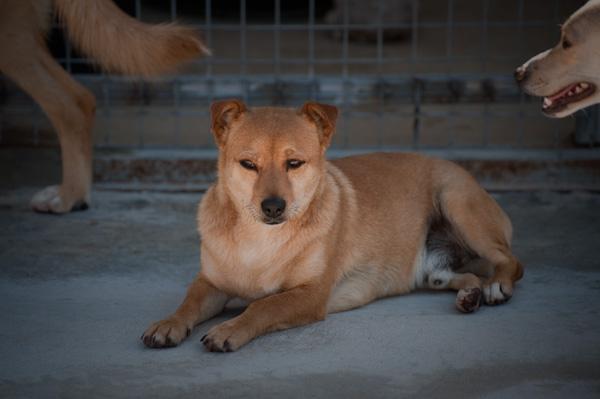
571 94
273 221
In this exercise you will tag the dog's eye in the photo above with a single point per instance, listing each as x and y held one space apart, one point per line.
566 43
248 164
294 163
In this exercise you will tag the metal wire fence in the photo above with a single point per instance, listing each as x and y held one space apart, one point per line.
406 74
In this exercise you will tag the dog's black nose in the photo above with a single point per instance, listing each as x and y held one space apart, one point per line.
521 74
273 207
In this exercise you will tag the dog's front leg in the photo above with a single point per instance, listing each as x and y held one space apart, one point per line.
301 305
202 301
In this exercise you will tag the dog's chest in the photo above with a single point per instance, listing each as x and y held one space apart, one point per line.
250 268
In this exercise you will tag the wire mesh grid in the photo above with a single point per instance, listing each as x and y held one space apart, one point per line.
406 74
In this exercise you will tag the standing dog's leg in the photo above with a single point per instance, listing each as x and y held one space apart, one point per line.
69 106
201 302
487 231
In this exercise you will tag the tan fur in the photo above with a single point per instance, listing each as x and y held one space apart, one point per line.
123 44
353 230
574 60
116 41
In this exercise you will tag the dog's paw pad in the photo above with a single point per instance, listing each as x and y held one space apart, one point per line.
468 300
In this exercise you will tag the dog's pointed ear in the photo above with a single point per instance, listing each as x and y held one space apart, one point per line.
324 117
222 113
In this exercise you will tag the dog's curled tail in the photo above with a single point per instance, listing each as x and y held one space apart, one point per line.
120 43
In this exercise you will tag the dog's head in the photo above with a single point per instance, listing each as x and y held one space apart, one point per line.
271 160
567 75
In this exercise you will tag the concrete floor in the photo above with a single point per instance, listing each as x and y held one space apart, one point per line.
76 292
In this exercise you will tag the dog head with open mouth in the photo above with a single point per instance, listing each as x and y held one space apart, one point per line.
567 76
271 160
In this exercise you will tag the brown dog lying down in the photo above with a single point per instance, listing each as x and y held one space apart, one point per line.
568 75
300 237
100 29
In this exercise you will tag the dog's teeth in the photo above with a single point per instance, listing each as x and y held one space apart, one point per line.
584 85
547 102
578 90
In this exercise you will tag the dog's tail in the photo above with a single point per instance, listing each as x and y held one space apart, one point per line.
120 43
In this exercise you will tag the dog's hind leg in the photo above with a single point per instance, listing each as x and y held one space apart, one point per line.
468 285
69 106
485 229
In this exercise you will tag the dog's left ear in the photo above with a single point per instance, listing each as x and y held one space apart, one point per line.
324 117
222 114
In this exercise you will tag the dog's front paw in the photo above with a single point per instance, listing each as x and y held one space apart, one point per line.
166 333
497 292
225 337
53 199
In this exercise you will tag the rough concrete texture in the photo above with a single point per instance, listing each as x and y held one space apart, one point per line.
76 292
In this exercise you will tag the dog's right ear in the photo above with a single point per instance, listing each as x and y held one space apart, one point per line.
222 114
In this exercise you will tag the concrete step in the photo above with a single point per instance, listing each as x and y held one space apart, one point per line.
195 170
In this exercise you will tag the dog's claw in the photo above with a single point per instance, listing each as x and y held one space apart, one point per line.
166 333
227 346
213 344
169 343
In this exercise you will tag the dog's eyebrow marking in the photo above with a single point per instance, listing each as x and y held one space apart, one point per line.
291 151
248 154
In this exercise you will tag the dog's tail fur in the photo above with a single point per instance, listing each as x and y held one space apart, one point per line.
120 43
